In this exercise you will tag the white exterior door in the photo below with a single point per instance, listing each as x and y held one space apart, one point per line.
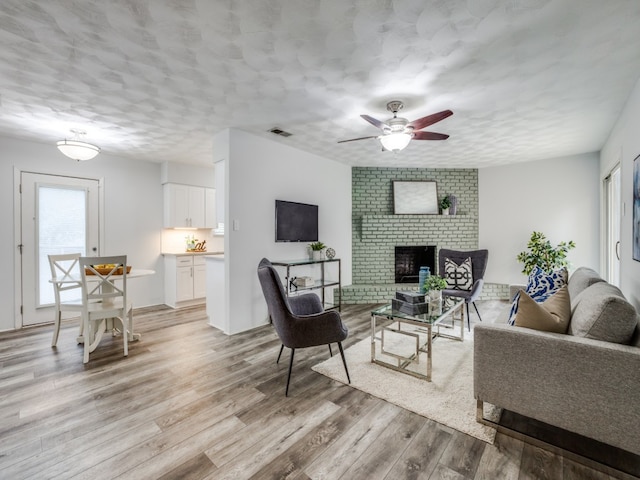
59 215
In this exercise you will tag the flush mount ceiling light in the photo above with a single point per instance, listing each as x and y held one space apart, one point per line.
77 149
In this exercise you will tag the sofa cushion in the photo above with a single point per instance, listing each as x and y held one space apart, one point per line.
602 313
582 278
552 315
458 277
540 286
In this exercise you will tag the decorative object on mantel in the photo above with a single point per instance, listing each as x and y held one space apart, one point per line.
445 203
415 198
454 204
317 250
330 253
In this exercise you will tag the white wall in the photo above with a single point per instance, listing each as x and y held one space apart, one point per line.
196 175
559 197
259 171
624 143
132 215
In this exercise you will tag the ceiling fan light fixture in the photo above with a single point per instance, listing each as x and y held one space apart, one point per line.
76 149
394 142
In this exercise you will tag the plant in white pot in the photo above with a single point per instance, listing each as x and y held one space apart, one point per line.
445 203
317 250
540 252
433 285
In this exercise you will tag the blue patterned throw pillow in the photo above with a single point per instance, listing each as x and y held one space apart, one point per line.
540 286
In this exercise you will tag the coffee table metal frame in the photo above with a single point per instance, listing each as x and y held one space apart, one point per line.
414 325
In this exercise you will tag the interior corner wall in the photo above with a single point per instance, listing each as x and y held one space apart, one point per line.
259 171
623 145
132 214
558 197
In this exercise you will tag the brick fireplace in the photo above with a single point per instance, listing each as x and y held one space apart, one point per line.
376 231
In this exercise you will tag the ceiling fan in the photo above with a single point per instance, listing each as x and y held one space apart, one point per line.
397 132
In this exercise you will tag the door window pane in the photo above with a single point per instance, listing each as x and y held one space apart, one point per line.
62 214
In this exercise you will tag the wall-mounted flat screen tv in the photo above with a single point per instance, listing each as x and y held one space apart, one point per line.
296 222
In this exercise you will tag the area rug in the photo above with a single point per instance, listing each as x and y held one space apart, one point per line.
447 399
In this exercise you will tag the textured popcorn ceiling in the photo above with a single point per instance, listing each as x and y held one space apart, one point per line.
155 79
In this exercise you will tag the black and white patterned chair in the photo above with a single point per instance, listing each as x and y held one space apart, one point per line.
461 284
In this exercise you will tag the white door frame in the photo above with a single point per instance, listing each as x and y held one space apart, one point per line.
612 238
17 231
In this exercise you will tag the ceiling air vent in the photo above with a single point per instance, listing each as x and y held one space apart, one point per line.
280 132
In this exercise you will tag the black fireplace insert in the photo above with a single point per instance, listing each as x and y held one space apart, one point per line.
410 259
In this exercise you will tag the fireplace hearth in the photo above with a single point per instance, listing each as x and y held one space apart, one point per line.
409 259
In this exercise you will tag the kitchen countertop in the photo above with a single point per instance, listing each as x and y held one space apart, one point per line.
192 253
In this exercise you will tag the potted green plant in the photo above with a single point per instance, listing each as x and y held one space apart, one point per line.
445 203
540 252
433 286
317 250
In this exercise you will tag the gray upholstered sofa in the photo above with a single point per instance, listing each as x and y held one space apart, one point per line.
576 381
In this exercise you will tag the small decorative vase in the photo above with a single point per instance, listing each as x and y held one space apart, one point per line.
454 204
316 254
423 273
445 211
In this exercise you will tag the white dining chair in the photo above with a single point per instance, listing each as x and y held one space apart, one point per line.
104 297
62 268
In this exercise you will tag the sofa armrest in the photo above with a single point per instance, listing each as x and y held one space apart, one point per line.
585 386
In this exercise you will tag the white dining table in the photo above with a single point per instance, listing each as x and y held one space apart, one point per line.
77 278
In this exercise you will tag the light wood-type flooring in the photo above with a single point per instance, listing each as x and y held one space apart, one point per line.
192 403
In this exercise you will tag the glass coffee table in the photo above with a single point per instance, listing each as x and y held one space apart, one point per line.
398 339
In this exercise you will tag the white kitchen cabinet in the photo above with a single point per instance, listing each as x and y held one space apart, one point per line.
199 278
185 280
186 206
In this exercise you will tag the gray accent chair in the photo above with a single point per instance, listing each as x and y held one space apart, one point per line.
300 321
479 260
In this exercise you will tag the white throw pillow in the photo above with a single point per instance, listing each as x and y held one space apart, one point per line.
458 277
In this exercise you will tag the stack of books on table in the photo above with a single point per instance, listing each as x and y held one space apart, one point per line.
410 303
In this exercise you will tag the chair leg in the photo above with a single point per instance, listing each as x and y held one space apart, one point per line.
468 319
344 361
87 340
56 328
476 307
281 348
286 392
330 352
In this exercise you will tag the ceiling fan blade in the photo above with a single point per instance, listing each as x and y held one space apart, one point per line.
429 136
375 122
354 139
420 123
